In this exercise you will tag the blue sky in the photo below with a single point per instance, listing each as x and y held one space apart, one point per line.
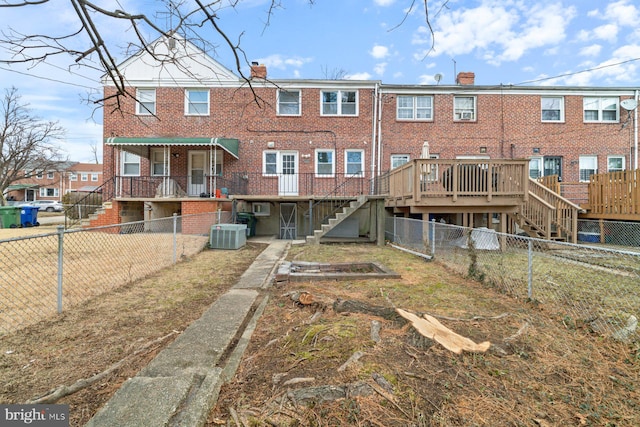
521 42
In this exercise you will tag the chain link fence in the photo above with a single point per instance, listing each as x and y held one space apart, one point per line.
584 284
41 275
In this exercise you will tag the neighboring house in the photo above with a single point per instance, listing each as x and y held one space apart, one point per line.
47 184
195 137
83 177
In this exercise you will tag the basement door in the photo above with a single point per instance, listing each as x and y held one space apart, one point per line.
288 212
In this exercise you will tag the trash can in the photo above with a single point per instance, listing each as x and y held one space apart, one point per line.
29 216
10 216
249 219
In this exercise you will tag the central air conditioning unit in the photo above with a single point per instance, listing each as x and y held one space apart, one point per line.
228 236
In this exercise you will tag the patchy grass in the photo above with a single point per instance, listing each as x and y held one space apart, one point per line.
538 371
125 323
541 370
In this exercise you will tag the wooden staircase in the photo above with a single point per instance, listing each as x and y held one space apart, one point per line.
340 216
547 215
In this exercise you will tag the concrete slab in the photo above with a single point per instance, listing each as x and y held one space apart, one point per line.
130 407
202 344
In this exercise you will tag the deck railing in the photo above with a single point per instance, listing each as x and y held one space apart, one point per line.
430 178
615 193
550 213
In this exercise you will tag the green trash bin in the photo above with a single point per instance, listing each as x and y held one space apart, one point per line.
250 219
10 216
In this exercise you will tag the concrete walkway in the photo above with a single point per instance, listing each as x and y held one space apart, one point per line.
181 384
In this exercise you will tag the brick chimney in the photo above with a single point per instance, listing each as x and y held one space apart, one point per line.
466 78
258 71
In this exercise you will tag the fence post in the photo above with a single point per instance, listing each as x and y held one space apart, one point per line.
60 265
433 237
175 236
530 269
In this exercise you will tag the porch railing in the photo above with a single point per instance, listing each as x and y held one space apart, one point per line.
452 178
551 214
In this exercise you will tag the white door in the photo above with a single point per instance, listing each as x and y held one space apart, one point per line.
197 169
288 174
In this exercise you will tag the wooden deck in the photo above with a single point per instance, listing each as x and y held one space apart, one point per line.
459 185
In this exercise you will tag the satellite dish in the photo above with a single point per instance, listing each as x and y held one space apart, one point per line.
629 104
437 77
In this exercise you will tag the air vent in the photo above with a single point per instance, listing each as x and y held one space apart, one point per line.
228 236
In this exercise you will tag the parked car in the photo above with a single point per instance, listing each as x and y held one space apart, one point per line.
46 205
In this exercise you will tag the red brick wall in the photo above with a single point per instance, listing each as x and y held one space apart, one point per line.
510 127
235 114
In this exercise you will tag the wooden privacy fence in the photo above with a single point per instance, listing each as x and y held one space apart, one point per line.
616 193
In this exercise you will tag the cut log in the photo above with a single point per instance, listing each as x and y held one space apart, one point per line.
348 306
430 327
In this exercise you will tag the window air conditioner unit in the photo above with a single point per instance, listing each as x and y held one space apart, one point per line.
466 115
228 236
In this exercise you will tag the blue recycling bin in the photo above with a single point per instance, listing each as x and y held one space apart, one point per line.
29 216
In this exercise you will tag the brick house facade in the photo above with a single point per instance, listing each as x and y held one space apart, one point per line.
208 126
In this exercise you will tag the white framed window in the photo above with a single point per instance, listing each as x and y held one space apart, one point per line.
49 192
552 109
197 102
261 208
410 107
270 163
27 173
94 177
39 175
158 164
73 176
50 175
600 109
354 163
325 163
146 102
84 177
130 164
289 102
464 108
535 167
339 103
588 166
398 160
615 163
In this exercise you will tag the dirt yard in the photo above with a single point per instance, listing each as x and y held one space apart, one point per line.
541 369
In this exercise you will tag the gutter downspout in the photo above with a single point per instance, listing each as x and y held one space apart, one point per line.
379 142
373 138
635 132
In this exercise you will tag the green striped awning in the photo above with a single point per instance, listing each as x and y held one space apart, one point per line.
230 145
14 187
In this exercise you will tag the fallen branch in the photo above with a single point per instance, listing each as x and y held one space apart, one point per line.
59 392
353 359
429 327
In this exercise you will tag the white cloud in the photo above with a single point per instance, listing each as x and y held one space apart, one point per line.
608 32
358 76
380 68
593 50
622 13
282 62
497 31
379 52
384 3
